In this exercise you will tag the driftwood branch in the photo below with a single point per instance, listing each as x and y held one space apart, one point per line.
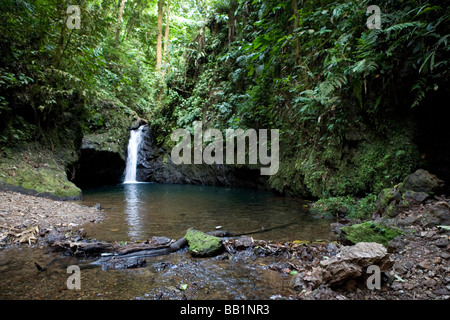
121 256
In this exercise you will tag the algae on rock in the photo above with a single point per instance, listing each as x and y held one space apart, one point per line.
369 232
39 171
202 244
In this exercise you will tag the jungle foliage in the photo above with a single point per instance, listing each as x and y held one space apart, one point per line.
343 96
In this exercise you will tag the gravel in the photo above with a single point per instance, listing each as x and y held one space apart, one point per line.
23 217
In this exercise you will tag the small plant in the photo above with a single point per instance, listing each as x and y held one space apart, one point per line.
347 206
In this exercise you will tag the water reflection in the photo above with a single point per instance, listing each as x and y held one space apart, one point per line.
133 207
143 210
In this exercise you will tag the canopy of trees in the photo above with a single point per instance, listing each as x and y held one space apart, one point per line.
354 105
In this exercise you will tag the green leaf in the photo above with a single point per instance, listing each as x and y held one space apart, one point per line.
183 286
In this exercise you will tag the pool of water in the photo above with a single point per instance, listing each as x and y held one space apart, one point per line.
139 211
205 279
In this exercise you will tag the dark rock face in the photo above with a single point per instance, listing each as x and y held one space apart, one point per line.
422 181
103 162
156 165
98 167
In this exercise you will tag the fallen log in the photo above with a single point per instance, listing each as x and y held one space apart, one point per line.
134 259
150 251
97 248
123 256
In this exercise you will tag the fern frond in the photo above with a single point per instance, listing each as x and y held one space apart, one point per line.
364 66
401 26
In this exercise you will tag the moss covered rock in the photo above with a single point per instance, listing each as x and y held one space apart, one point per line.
37 171
202 244
369 232
415 189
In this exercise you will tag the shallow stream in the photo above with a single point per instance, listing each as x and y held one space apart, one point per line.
136 212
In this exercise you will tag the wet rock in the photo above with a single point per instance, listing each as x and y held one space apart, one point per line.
201 244
156 165
55 236
124 263
137 122
243 242
160 266
160 241
223 257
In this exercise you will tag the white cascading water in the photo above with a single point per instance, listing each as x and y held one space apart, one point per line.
134 145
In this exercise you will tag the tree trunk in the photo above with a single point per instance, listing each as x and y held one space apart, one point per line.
159 37
296 25
59 50
232 21
119 21
166 37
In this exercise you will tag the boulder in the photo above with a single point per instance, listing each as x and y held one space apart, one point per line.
411 195
201 244
415 189
422 181
243 242
137 122
350 263
388 200
435 214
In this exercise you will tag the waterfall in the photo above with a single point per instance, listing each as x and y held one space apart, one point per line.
136 138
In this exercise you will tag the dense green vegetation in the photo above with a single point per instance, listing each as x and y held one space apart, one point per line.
348 100
370 232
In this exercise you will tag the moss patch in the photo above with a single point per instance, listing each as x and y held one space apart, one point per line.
367 164
34 168
202 244
370 232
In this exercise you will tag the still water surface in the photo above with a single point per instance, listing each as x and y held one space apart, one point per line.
140 211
